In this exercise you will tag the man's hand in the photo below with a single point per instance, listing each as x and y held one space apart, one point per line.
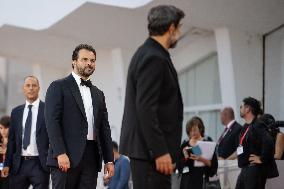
63 162
5 172
164 164
106 179
108 170
254 159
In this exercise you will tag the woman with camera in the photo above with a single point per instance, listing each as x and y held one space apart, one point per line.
191 176
277 135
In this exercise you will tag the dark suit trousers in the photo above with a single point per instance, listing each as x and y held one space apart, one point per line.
144 175
252 177
30 173
193 179
84 176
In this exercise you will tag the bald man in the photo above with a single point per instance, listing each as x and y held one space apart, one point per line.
28 143
227 142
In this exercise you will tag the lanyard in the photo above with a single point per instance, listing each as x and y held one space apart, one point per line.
242 138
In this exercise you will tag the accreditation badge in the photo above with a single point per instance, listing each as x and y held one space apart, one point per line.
240 150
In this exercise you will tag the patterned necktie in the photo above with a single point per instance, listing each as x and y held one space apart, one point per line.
28 128
223 134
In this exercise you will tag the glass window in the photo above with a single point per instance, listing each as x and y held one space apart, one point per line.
200 88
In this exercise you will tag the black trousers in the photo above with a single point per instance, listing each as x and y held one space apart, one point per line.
4 183
252 177
193 179
144 175
30 173
84 176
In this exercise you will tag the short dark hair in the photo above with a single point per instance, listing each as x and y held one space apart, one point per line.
75 53
161 17
195 121
5 121
254 105
115 146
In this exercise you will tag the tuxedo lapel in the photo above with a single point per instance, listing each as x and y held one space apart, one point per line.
95 101
76 94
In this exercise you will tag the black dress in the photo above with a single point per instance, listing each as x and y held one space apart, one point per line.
195 175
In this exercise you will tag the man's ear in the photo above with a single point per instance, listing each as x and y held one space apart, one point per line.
172 28
249 109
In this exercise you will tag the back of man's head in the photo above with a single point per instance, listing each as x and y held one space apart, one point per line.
115 146
254 104
161 17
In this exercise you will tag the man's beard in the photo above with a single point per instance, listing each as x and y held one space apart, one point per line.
172 43
83 72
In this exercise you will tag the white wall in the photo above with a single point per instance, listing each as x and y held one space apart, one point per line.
18 70
274 69
240 64
247 64
109 77
193 52
3 78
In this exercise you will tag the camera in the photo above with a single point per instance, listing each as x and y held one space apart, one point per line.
187 151
272 126
195 150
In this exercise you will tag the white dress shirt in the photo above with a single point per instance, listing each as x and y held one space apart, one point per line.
88 105
32 147
230 124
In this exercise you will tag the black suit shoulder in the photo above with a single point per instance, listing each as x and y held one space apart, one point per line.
237 127
59 81
143 59
17 108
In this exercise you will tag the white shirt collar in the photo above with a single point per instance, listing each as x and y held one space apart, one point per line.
35 103
230 124
77 78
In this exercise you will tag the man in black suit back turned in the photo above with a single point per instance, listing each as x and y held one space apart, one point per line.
152 121
77 126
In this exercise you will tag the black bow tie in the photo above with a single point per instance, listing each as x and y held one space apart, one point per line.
87 83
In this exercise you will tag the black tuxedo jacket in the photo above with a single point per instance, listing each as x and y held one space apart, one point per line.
153 112
67 124
14 147
229 143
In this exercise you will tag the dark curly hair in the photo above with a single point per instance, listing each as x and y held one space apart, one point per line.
115 146
254 105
